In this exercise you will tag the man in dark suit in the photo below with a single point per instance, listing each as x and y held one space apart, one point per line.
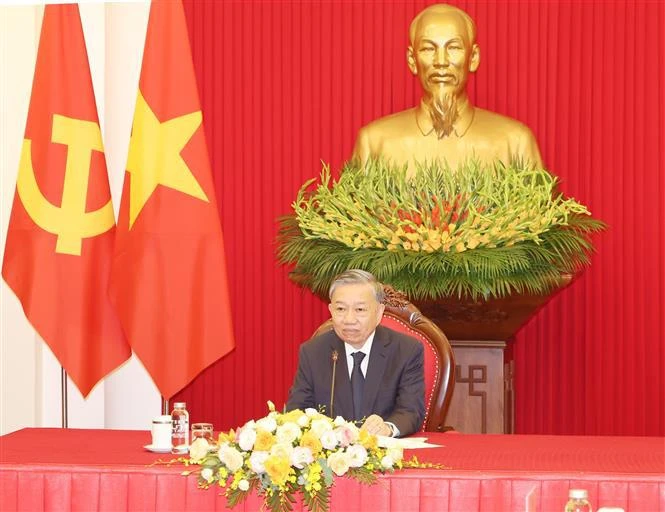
378 372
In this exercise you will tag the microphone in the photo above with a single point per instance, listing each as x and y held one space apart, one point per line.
335 355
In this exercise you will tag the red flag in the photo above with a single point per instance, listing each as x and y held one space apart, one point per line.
168 281
61 231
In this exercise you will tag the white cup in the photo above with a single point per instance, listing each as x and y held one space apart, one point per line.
161 431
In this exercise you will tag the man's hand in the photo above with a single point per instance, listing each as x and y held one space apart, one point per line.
374 424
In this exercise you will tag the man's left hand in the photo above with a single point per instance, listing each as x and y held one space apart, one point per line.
374 424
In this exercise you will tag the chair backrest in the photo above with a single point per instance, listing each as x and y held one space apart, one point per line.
402 316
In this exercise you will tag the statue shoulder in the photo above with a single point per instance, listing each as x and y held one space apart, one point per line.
516 138
392 124
492 121
373 136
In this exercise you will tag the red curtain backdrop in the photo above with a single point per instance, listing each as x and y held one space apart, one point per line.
287 84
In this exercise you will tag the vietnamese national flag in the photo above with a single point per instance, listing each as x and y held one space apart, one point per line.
168 281
61 230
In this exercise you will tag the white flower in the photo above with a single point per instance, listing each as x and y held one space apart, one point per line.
321 425
303 421
268 424
387 462
339 462
357 455
281 450
199 449
339 421
206 474
256 462
329 440
230 457
347 434
301 456
288 433
311 412
395 452
243 485
246 438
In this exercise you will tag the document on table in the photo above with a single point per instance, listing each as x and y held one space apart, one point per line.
407 443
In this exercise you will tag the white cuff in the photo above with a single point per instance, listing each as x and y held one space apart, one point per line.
394 431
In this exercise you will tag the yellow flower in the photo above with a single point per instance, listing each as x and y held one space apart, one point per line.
460 247
291 416
309 440
473 242
406 245
224 437
369 441
278 468
264 440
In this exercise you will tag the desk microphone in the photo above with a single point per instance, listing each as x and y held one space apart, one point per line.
334 356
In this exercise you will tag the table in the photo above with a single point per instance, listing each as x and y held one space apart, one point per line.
108 470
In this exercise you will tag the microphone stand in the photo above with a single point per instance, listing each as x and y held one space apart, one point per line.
335 355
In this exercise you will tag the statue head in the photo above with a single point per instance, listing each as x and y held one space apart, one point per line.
442 53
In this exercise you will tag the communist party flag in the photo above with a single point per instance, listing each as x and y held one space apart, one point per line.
168 278
61 230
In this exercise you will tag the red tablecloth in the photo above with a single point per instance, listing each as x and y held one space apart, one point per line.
55 469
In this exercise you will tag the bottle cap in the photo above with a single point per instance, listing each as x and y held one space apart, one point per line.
179 405
578 494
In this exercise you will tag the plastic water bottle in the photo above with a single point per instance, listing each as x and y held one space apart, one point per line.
180 428
578 501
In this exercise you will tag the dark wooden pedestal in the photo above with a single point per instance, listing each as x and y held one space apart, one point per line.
479 332
480 403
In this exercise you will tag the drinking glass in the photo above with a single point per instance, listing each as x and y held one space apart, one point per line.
203 430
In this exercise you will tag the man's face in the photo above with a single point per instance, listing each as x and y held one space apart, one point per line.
442 55
355 313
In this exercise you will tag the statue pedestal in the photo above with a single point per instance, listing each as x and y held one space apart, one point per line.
479 332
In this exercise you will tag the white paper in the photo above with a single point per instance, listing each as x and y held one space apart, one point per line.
409 443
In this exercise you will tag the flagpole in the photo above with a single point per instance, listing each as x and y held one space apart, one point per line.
63 393
165 406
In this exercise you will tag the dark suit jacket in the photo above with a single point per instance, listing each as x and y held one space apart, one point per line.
394 384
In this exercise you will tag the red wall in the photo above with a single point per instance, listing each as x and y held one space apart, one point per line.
286 84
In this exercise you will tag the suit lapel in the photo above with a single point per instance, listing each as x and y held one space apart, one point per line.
343 403
378 360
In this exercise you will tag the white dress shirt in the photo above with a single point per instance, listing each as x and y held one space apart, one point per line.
366 349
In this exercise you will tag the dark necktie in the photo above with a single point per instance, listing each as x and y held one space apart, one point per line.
357 384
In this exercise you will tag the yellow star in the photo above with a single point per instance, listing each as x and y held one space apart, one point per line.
154 156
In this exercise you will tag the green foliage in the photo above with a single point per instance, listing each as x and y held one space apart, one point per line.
475 231
317 501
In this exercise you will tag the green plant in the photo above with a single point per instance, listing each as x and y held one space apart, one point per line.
477 231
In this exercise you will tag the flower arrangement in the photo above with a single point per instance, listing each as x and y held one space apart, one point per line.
285 453
477 230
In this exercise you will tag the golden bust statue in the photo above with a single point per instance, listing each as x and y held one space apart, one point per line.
445 126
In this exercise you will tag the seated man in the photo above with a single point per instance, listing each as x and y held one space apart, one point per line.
446 126
376 373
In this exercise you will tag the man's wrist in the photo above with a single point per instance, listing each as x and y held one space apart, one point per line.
394 431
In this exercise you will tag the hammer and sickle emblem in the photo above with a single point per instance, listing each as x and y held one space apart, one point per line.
69 221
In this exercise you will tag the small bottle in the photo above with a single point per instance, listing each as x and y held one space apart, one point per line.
578 501
180 428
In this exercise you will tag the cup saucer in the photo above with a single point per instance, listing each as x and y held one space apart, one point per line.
157 449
